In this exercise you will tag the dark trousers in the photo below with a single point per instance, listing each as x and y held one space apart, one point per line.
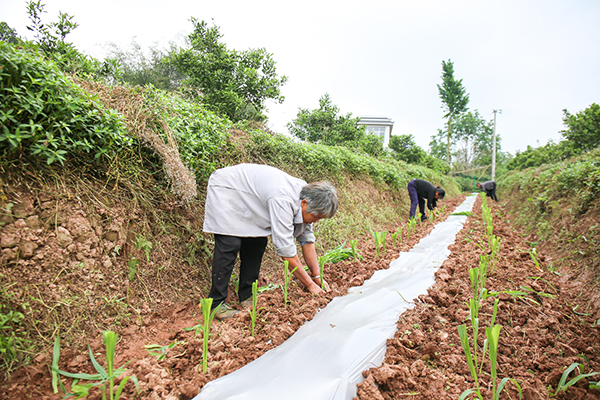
251 251
415 199
492 193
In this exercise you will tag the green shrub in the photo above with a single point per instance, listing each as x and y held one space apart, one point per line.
46 116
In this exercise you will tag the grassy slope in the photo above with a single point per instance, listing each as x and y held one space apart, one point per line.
558 206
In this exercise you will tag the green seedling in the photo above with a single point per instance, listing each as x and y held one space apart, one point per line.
208 316
379 239
400 233
253 311
339 253
534 257
493 334
160 352
464 340
196 328
394 237
353 244
321 270
287 276
564 385
104 377
495 244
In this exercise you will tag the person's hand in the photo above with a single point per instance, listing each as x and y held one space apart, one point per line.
325 284
315 289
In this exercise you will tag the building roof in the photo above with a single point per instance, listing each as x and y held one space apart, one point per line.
376 121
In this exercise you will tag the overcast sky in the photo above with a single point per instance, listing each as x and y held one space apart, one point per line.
530 59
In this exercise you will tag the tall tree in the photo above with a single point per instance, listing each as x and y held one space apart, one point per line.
474 139
325 125
471 142
454 98
229 82
583 128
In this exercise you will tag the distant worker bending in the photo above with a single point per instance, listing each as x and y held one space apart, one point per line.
419 191
489 187
245 204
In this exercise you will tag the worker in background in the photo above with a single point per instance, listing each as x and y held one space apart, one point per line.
419 191
489 187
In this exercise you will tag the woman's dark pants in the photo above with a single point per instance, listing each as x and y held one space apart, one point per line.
251 250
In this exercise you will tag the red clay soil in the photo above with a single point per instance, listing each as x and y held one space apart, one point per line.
542 333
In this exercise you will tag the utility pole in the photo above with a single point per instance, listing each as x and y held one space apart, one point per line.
494 148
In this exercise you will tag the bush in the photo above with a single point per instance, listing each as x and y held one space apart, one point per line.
46 116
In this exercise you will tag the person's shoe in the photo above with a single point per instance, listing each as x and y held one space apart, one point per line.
224 312
424 218
247 303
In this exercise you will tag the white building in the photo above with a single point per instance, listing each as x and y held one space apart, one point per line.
380 126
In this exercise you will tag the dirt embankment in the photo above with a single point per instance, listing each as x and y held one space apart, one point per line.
544 329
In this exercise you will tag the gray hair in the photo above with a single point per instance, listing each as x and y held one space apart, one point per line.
321 198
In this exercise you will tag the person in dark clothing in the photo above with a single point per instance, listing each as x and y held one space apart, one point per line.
489 188
419 191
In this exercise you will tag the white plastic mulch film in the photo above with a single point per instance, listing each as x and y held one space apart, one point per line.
325 358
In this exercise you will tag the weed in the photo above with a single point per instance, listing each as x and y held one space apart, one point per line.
145 245
133 265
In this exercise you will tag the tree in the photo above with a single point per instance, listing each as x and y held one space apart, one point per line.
454 99
50 39
8 34
229 82
474 141
406 149
583 128
136 67
548 154
326 126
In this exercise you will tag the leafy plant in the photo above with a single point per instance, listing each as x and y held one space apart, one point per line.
563 385
132 266
104 377
144 244
45 116
161 351
10 342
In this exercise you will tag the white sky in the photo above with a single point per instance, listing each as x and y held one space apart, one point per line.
531 59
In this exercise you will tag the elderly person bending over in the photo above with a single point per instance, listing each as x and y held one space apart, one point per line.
245 204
